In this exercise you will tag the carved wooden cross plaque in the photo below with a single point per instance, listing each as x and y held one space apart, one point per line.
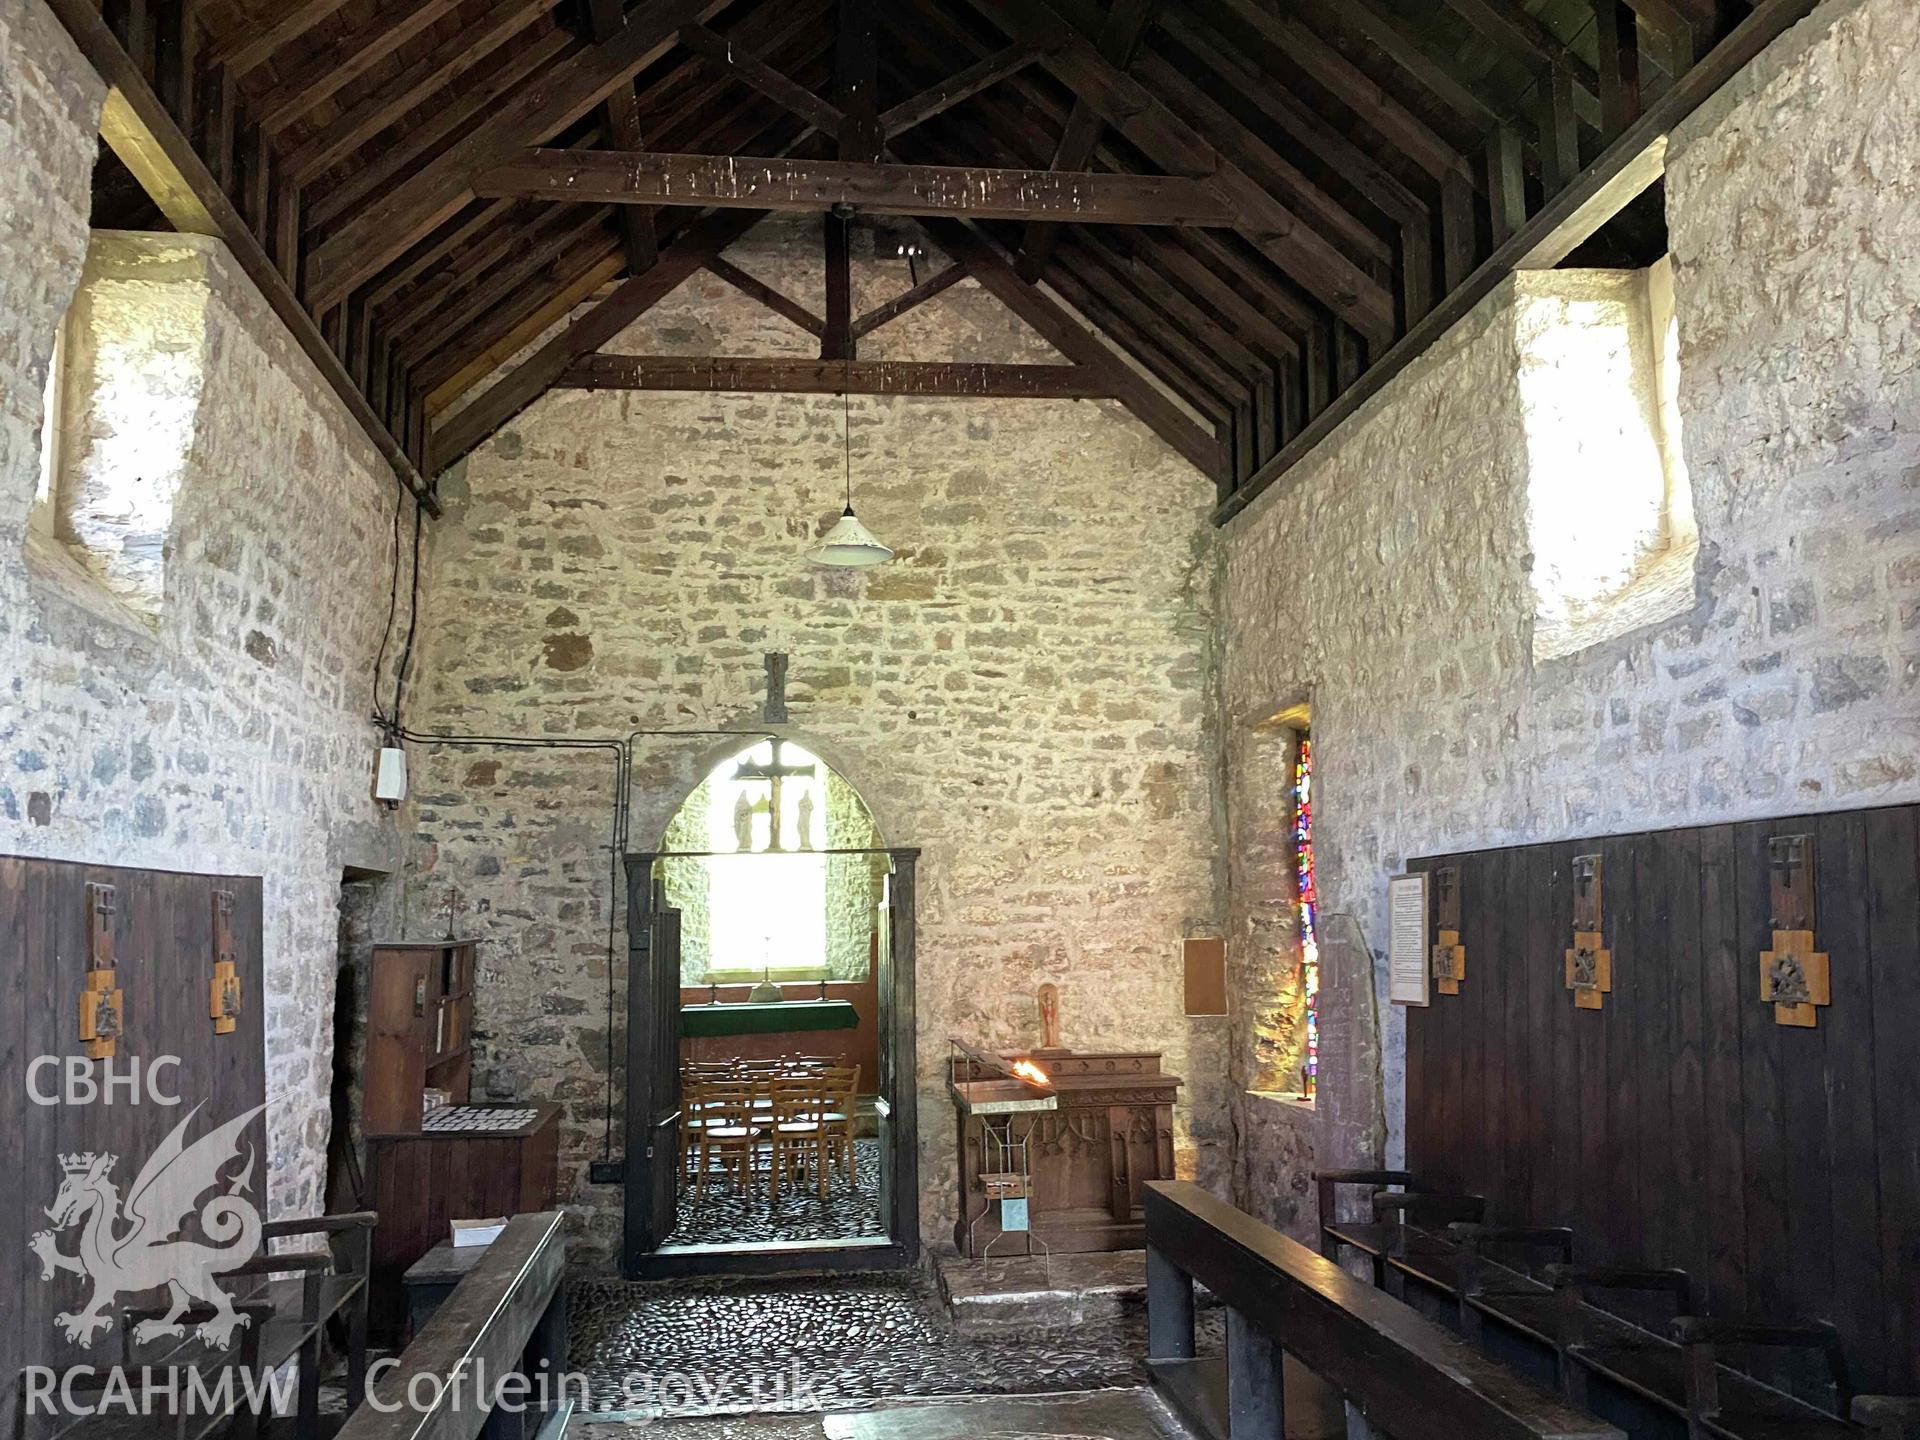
1449 955
223 992
102 1002
1794 977
1589 962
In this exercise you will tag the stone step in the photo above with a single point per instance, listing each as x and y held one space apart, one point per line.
996 1295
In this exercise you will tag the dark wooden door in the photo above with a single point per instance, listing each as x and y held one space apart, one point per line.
663 1146
899 1067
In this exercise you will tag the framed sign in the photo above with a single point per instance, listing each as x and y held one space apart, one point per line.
1407 971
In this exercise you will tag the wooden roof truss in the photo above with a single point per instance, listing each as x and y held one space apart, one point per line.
1238 218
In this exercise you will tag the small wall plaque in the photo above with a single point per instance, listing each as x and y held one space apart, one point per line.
1449 955
1795 978
1589 962
1408 965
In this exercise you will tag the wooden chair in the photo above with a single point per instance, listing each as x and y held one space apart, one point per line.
841 1085
799 1134
729 1133
695 1077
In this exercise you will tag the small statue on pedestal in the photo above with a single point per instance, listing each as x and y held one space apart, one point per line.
1050 1021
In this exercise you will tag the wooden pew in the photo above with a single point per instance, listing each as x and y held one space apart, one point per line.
508 1316
1409 1377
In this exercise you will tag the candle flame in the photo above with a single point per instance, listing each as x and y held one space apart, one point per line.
1030 1072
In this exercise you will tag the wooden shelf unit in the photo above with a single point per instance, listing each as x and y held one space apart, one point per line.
419 1029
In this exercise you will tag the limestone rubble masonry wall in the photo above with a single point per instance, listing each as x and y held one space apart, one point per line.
1024 693
231 736
1390 575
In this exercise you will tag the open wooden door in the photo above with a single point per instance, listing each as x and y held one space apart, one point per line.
653 1063
898 1101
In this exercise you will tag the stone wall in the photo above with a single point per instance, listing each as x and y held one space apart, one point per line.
228 732
1024 693
1389 574
856 884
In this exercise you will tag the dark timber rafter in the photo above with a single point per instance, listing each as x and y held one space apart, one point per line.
1118 36
747 374
621 116
759 183
1236 217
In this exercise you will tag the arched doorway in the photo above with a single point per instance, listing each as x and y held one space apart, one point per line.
770 936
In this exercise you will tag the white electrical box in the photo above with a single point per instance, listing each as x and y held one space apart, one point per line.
390 775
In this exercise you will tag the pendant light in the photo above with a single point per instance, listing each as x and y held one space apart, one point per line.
849 545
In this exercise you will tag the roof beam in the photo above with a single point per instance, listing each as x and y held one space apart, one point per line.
146 138
510 395
346 62
835 377
359 123
1169 141
1611 180
1120 32
908 300
252 48
724 54
620 115
758 183
1066 334
757 289
388 226
987 71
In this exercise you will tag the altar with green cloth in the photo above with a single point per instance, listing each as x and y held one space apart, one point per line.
777 1018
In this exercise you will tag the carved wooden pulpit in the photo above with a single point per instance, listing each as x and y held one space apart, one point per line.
1091 1157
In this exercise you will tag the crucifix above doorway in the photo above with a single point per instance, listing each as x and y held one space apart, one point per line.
773 772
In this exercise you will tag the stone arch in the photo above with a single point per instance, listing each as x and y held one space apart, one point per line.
825 889
665 780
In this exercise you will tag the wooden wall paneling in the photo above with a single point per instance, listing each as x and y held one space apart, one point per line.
1569 1128
1893 920
1620 1190
1806 1139
1590 1218
1723 972
1690 1219
1448 1075
1656 862
1475 1005
1540 956
1419 1086
1853 1181
1767 1259
1508 960
17 945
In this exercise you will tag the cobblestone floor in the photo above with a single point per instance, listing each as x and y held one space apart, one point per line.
724 1216
821 1344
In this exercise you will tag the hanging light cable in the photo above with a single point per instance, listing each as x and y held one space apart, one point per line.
849 545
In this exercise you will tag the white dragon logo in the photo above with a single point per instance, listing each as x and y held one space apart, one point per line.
146 1254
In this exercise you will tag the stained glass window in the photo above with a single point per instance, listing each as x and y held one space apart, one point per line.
1309 902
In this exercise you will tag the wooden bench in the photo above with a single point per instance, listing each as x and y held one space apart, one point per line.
288 1301
1676 1369
1411 1378
508 1317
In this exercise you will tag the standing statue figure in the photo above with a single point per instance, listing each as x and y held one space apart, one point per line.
743 824
1049 1018
805 809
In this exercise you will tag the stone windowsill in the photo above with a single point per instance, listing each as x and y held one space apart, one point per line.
1286 1102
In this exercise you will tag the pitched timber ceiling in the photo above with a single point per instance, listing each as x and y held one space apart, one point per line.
1262 207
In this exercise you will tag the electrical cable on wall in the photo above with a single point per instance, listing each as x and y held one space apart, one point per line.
617 844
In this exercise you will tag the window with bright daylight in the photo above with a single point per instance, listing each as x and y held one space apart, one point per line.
1610 505
52 418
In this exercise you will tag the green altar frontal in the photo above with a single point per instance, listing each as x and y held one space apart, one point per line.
779 1018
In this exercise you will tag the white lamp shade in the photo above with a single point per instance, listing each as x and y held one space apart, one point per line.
850 546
